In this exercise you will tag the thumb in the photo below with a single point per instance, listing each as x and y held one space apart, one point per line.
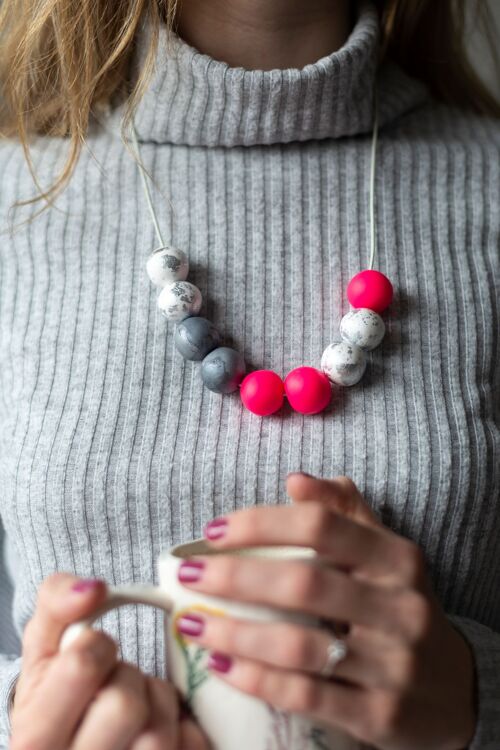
340 494
62 600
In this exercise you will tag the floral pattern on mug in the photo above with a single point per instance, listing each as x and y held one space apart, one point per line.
318 739
282 736
193 654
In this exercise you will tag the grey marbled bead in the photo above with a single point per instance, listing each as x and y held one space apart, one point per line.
179 300
363 327
166 265
223 370
195 338
343 363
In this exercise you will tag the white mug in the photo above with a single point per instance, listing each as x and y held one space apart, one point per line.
231 719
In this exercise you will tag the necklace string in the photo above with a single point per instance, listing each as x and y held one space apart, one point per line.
223 368
373 166
146 186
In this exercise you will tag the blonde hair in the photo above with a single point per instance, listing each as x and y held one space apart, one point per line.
62 60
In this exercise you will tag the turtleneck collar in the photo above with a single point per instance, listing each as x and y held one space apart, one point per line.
196 100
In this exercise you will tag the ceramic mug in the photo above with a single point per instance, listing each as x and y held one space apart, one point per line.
231 719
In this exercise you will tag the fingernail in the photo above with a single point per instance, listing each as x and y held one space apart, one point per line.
84 585
300 474
190 624
190 571
215 529
219 662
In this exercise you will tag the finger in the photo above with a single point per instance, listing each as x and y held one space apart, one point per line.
162 730
339 705
169 727
119 713
69 685
339 494
192 737
164 700
299 586
62 599
373 660
373 552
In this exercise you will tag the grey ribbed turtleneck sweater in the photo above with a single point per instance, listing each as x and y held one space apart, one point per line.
111 448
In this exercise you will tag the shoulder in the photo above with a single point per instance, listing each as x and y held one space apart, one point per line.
16 178
445 126
450 154
21 181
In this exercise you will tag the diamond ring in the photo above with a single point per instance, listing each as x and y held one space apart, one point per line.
335 652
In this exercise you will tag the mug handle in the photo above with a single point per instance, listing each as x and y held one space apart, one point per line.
119 596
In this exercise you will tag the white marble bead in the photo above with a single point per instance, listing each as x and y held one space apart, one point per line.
343 363
362 327
166 265
179 300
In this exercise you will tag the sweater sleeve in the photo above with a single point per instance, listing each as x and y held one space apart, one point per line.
10 661
10 666
485 645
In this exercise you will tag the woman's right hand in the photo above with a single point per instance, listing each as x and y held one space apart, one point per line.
84 698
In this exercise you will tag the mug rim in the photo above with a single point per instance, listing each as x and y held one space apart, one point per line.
199 546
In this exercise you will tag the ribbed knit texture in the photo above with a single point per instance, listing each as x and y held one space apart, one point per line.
8 639
111 449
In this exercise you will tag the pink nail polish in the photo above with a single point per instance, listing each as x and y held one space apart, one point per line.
84 585
215 529
219 662
190 571
190 624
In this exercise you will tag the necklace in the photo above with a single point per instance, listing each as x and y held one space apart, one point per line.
307 389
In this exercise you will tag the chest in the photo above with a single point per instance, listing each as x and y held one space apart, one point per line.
110 439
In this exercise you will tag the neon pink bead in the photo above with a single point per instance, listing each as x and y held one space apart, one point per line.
308 390
262 392
370 289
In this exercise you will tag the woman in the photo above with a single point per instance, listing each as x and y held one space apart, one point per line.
256 127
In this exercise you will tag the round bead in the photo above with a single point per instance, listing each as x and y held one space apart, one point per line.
223 370
343 363
179 300
166 265
262 392
308 390
362 327
370 289
195 338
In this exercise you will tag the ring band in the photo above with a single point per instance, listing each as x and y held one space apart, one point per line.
335 652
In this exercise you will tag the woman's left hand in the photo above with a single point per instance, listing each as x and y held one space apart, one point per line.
407 681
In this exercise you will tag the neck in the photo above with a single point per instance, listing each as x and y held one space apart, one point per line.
265 34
